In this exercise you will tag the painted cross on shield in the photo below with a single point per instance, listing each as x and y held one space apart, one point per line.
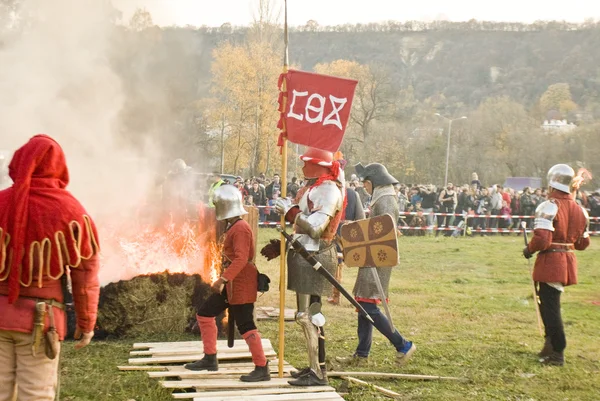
370 242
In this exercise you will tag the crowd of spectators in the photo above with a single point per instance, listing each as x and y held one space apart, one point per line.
488 207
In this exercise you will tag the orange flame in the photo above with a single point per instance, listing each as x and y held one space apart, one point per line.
131 250
582 176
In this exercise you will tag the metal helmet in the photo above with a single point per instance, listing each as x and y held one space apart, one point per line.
317 162
560 177
376 173
228 202
318 156
178 166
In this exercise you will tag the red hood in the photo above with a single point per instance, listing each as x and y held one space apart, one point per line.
40 158
60 232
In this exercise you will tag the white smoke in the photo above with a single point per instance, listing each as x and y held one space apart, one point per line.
56 78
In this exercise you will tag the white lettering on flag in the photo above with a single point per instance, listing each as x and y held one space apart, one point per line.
291 113
335 112
319 110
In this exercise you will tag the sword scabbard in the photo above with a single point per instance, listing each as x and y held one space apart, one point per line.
38 326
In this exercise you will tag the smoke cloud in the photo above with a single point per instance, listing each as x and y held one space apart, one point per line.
56 78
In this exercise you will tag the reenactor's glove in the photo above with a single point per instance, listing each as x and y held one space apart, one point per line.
527 254
272 250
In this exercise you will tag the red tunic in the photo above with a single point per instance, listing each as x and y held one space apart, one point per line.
86 290
241 273
43 228
569 226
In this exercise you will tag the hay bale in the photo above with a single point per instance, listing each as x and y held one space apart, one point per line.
157 303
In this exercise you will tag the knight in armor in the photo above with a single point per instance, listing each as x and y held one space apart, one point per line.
235 290
316 214
560 227
380 185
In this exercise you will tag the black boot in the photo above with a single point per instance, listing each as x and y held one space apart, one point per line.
554 359
209 362
547 349
299 373
259 374
309 379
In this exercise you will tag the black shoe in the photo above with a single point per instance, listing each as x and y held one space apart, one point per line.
547 350
554 359
209 362
299 373
309 379
259 374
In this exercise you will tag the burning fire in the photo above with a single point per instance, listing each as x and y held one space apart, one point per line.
582 176
132 250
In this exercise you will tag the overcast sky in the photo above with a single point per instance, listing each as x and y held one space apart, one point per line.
334 12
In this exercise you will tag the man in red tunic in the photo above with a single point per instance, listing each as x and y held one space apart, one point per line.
560 227
235 290
44 231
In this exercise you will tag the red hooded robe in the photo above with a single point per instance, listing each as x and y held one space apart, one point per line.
43 229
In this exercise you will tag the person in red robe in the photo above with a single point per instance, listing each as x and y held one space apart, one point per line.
235 290
560 227
44 233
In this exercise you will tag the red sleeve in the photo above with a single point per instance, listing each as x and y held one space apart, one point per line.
542 239
241 241
290 216
86 291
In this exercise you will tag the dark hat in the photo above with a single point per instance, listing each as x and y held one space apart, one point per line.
376 173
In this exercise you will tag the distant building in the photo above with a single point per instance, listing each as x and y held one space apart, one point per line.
558 126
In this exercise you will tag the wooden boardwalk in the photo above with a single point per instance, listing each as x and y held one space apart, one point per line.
164 361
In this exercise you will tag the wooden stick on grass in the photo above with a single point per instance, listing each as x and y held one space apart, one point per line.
394 376
382 390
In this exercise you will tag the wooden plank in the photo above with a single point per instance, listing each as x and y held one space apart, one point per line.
220 344
141 367
187 374
282 390
216 384
184 351
277 397
394 376
193 357
198 345
290 314
227 365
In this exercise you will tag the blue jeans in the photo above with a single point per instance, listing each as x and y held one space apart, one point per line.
365 331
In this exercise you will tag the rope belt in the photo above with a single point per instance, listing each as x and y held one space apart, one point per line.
561 245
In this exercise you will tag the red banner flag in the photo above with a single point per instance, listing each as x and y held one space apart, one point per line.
315 110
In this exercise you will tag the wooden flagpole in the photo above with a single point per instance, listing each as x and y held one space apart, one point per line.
284 154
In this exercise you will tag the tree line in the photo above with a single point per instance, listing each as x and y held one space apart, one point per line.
209 95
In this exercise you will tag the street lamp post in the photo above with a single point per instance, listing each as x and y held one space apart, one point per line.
448 142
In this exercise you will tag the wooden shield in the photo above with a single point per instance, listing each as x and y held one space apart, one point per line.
370 242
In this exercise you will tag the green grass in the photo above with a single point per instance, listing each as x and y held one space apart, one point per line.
465 302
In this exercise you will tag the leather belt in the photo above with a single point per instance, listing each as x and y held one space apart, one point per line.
49 302
556 250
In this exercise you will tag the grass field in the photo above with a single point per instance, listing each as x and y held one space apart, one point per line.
467 305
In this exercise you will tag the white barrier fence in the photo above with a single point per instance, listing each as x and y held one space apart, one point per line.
467 219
